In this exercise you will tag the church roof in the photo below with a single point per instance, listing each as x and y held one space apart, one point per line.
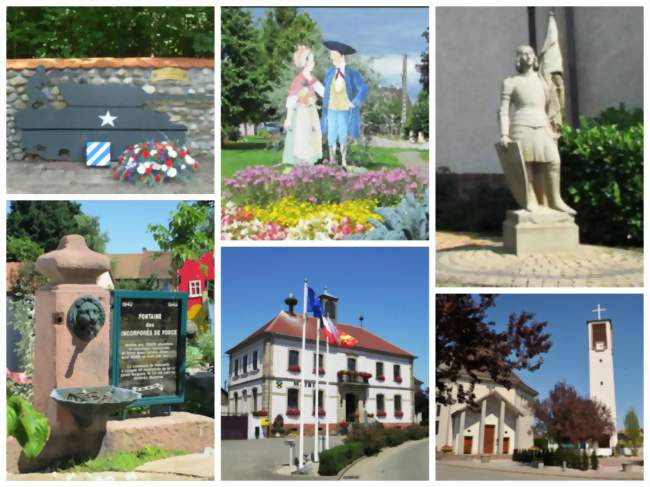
288 325
484 377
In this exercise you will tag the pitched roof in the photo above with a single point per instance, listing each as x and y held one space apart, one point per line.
11 272
141 265
288 325
485 378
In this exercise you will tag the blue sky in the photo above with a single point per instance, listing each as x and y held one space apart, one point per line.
126 222
382 33
567 360
388 286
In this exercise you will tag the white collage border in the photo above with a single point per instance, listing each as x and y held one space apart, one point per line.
222 244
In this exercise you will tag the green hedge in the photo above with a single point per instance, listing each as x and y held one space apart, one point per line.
602 176
334 459
366 440
573 458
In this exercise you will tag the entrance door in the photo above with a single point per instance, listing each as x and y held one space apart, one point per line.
350 407
488 439
506 445
467 446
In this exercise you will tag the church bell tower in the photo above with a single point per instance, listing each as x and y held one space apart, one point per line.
601 373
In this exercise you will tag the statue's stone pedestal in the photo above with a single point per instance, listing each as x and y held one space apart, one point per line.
526 232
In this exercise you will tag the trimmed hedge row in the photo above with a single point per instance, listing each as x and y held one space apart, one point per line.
334 459
574 458
366 440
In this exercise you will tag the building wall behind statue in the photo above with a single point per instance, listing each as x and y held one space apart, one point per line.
475 51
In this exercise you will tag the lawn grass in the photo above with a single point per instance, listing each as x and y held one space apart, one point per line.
254 151
124 461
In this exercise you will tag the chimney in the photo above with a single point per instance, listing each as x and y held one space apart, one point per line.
291 302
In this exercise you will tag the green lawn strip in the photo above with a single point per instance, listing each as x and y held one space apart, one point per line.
125 461
424 154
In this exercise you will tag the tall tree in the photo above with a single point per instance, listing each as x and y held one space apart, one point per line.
187 235
423 67
283 29
467 343
632 429
242 81
37 32
569 417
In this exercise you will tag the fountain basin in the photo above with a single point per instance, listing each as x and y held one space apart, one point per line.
86 403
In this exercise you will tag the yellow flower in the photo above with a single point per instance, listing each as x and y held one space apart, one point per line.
290 212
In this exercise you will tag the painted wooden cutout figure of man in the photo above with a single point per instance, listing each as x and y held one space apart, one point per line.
535 102
345 90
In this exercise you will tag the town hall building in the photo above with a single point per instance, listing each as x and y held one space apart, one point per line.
373 381
501 421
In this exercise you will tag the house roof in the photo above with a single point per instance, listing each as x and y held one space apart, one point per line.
11 272
288 325
141 265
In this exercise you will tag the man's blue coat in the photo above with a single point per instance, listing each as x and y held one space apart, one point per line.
357 91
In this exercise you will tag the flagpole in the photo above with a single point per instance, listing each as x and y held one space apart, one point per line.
301 449
327 424
316 391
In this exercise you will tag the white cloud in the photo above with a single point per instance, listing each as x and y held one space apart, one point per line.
390 69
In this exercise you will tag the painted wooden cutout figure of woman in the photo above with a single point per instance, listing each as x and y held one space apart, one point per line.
303 143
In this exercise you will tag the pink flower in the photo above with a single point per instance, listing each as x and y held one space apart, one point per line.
18 377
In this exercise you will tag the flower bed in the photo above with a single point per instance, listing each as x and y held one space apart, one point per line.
311 202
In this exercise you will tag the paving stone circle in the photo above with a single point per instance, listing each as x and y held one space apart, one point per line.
490 266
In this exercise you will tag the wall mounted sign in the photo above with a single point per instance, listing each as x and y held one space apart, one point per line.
148 345
170 74
112 113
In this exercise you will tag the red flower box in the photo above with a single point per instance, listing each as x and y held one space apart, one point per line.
293 412
399 414
321 371
321 412
258 414
294 368
381 378
398 380
381 414
370 415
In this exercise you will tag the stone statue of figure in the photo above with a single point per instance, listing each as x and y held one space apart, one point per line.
531 115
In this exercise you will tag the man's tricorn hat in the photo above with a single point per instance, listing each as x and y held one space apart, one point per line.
339 47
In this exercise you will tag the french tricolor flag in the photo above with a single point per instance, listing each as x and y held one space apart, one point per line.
98 154
331 331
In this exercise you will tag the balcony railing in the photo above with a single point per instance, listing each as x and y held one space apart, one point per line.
353 376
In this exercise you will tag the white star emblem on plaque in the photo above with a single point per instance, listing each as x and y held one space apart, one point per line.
107 119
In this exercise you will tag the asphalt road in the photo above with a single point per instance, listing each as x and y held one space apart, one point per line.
257 459
409 461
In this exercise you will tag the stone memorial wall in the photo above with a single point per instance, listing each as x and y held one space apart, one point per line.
182 88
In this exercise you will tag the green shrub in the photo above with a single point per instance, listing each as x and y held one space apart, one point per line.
584 461
205 344
334 459
594 460
602 176
372 437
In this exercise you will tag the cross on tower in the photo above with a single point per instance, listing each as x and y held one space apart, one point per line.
598 310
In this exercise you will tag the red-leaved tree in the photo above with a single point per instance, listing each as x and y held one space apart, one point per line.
468 344
571 418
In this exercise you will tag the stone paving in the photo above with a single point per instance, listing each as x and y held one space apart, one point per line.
413 160
55 177
466 260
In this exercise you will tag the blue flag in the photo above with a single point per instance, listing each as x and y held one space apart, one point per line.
313 304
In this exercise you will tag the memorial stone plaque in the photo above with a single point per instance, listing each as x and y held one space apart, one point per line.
149 344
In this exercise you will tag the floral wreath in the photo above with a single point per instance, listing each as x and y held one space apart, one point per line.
150 163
